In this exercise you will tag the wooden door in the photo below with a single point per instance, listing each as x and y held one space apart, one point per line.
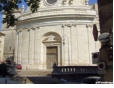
51 57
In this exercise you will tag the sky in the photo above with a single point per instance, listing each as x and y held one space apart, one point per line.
25 7
20 6
92 2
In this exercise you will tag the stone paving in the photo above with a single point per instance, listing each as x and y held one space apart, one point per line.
33 73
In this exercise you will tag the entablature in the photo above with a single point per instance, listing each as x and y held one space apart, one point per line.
48 12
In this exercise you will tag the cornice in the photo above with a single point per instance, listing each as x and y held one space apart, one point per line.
59 10
56 17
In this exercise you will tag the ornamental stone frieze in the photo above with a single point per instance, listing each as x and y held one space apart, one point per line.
68 25
74 2
64 2
70 2
53 3
29 28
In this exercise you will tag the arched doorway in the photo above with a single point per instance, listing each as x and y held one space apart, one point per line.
52 43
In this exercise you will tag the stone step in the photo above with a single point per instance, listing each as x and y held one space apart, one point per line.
33 73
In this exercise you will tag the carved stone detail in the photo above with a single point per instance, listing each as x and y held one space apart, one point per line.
89 25
68 25
70 2
86 2
51 38
64 2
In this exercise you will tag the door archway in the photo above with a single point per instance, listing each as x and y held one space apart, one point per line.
52 43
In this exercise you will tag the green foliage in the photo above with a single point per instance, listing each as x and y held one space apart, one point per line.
8 8
34 4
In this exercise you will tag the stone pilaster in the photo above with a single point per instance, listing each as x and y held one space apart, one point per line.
59 55
20 48
16 47
74 45
69 35
63 44
91 42
31 46
36 46
25 45
67 48
83 51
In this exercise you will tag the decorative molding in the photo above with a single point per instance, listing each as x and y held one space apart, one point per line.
62 26
17 32
64 2
58 13
70 2
33 28
28 30
20 30
74 25
86 2
68 25
51 38
89 25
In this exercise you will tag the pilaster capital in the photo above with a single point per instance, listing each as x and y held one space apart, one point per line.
68 25
62 25
20 30
70 2
35 28
89 25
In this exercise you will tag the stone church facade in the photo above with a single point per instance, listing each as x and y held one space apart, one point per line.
1 46
60 33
